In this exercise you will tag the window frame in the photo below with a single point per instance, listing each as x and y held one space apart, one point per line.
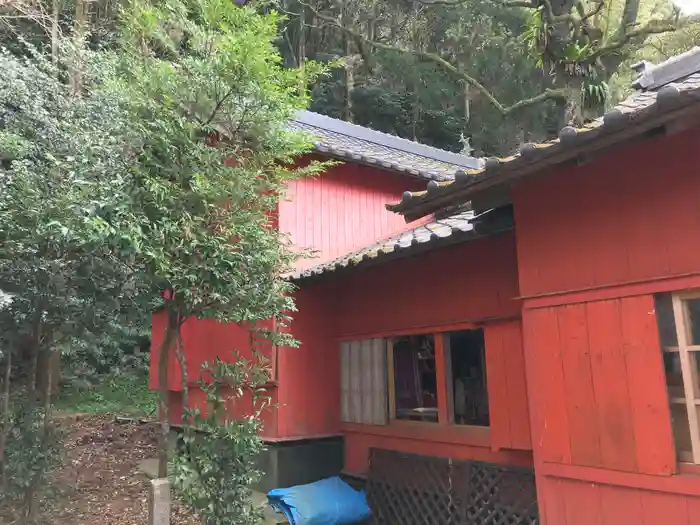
443 376
689 373
449 381
391 378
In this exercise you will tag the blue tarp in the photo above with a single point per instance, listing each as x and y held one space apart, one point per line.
327 502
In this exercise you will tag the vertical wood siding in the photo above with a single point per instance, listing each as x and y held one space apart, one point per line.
571 502
343 210
595 374
627 217
598 397
309 376
470 281
203 340
505 368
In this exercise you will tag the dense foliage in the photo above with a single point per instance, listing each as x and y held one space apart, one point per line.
500 72
57 151
214 468
138 176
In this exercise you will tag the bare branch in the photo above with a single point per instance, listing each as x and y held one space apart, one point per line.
549 94
652 28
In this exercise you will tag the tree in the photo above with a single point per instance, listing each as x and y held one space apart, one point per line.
575 45
208 99
404 95
61 165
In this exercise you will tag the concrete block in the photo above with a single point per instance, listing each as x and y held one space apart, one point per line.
159 502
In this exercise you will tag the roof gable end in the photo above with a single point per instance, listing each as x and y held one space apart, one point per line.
355 143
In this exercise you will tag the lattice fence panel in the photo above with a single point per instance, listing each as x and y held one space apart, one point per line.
500 495
408 489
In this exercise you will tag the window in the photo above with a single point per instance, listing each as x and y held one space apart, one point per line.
414 378
678 317
466 372
397 379
363 382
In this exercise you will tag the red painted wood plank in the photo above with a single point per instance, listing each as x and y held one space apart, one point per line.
582 503
610 385
622 216
664 509
517 386
442 380
650 412
551 501
693 508
580 398
497 385
676 484
545 366
332 237
620 505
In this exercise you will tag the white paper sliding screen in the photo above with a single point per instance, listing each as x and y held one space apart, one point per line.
363 394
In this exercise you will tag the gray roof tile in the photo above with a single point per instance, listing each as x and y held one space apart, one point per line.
642 106
348 141
454 228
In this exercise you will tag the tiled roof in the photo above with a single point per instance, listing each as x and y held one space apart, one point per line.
353 143
652 76
641 112
458 227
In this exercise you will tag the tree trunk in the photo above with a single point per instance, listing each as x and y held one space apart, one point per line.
79 27
33 351
301 48
349 77
54 30
184 377
164 412
574 105
49 364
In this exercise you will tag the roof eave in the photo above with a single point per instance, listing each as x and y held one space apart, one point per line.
492 224
671 108
374 163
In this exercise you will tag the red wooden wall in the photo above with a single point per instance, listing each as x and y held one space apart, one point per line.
204 340
466 282
594 243
472 284
309 376
505 366
626 218
343 210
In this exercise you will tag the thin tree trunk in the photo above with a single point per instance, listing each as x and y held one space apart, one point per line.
184 377
349 77
164 412
5 416
54 30
32 492
79 27
301 51
34 345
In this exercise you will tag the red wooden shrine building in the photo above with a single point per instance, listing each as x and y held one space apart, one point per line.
551 325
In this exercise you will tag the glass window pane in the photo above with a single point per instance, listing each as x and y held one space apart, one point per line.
674 377
468 360
665 320
415 378
681 432
695 372
693 309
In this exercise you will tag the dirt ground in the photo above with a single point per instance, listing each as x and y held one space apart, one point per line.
99 483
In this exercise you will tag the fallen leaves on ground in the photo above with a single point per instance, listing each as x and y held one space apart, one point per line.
100 482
